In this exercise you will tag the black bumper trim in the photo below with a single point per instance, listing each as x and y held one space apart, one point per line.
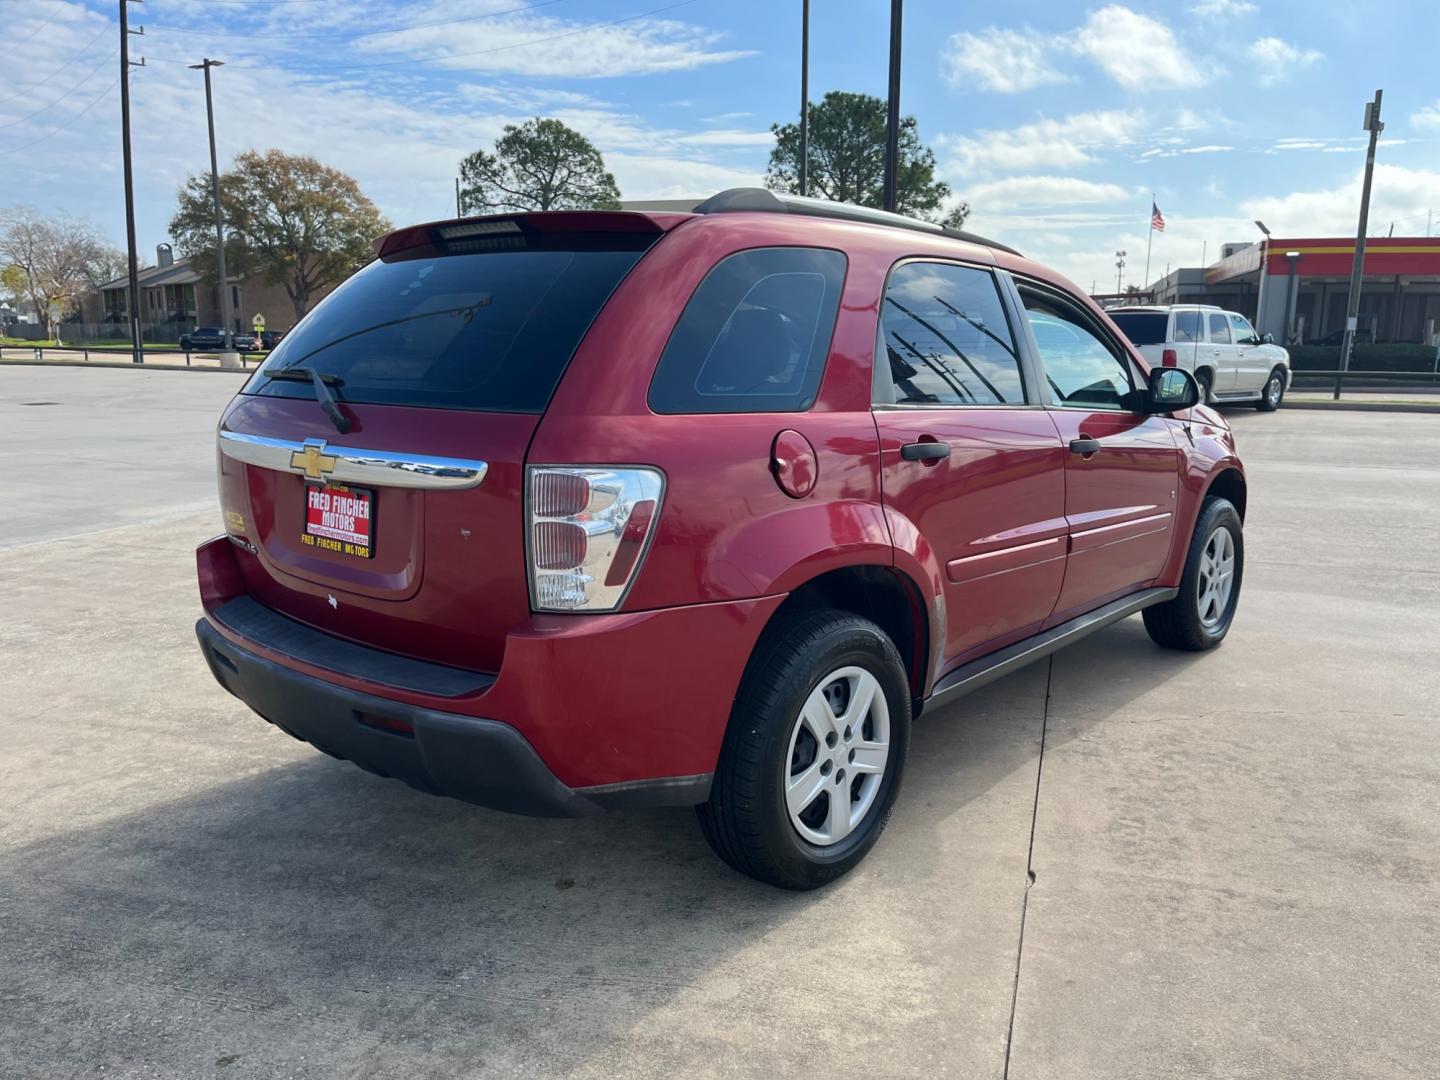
476 760
253 620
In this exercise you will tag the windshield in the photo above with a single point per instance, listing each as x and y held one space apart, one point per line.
490 331
1141 327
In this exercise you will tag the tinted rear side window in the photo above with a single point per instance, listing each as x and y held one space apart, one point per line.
1187 326
1141 327
489 331
755 335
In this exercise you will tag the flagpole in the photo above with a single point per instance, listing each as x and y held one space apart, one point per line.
1149 239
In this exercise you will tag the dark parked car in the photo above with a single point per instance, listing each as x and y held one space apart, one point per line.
212 339
572 511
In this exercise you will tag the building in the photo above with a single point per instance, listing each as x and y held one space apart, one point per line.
1297 289
176 298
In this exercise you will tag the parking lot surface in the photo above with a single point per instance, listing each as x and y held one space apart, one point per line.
1235 856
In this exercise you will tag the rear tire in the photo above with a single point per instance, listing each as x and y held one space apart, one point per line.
1200 616
1273 392
823 711
1203 378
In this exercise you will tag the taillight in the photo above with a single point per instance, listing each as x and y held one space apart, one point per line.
1169 359
587 533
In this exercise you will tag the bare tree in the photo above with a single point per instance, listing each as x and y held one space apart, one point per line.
58 259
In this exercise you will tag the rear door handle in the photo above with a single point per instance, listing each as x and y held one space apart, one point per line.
1085 445
925 451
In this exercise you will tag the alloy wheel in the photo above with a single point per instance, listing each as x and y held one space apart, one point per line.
1216 581
839 747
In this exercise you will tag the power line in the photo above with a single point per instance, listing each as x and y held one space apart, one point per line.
93 72
60 127
78 55
346 36
37 30
446 56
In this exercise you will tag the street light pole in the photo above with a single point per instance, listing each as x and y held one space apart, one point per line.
226 315
1264 273
892 110
805 97
1119 270
1357 268
137 349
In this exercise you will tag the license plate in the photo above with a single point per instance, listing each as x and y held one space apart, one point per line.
340 518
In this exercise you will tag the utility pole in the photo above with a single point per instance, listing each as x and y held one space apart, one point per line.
458 211
1119 269
137 348
1357 268
805 97
226 315
892 110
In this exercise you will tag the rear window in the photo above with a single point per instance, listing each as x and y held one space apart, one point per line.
755 335
489 331
1141 327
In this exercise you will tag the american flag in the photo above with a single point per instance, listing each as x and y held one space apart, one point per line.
1157 219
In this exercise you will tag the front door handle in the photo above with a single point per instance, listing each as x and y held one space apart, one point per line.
1085 446
925 451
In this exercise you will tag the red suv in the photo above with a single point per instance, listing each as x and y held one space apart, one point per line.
563 512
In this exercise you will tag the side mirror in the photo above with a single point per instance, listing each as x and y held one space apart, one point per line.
1267 339
1170 390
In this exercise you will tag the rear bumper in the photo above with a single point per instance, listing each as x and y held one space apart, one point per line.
471 758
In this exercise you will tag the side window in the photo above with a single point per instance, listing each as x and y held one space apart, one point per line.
1219 330
944 339
755 335
1080 367
1241 328
1187 326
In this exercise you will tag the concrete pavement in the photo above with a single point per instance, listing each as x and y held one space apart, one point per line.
1234 855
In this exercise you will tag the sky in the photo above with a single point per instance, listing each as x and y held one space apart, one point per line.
1054 120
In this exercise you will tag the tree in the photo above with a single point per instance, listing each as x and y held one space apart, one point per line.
539 165
288 219
847 160
52 262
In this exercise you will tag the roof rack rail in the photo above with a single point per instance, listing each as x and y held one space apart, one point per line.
766 201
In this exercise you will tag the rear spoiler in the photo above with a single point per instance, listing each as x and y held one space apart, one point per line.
502 232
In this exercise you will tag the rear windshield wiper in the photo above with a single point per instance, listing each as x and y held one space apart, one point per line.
322 381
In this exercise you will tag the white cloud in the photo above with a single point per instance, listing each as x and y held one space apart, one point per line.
1003 61
1138 52
1205 149
572 49
1041 191
729 138
1223 9
1399 194
1043 144
1275 60
1427 117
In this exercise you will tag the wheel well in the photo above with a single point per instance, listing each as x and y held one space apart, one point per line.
1208 370
1229 484
886 597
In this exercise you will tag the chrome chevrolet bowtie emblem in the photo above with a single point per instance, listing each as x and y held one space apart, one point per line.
312 460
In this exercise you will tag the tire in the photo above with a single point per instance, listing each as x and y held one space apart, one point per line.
1273 392
806 661
1200 617
1203 377
185 344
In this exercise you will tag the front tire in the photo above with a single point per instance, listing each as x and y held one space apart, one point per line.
1273 392
1200 616
815 750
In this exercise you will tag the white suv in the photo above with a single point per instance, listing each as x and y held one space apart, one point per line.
1231 362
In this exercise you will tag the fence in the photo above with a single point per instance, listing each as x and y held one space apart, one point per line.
113 354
